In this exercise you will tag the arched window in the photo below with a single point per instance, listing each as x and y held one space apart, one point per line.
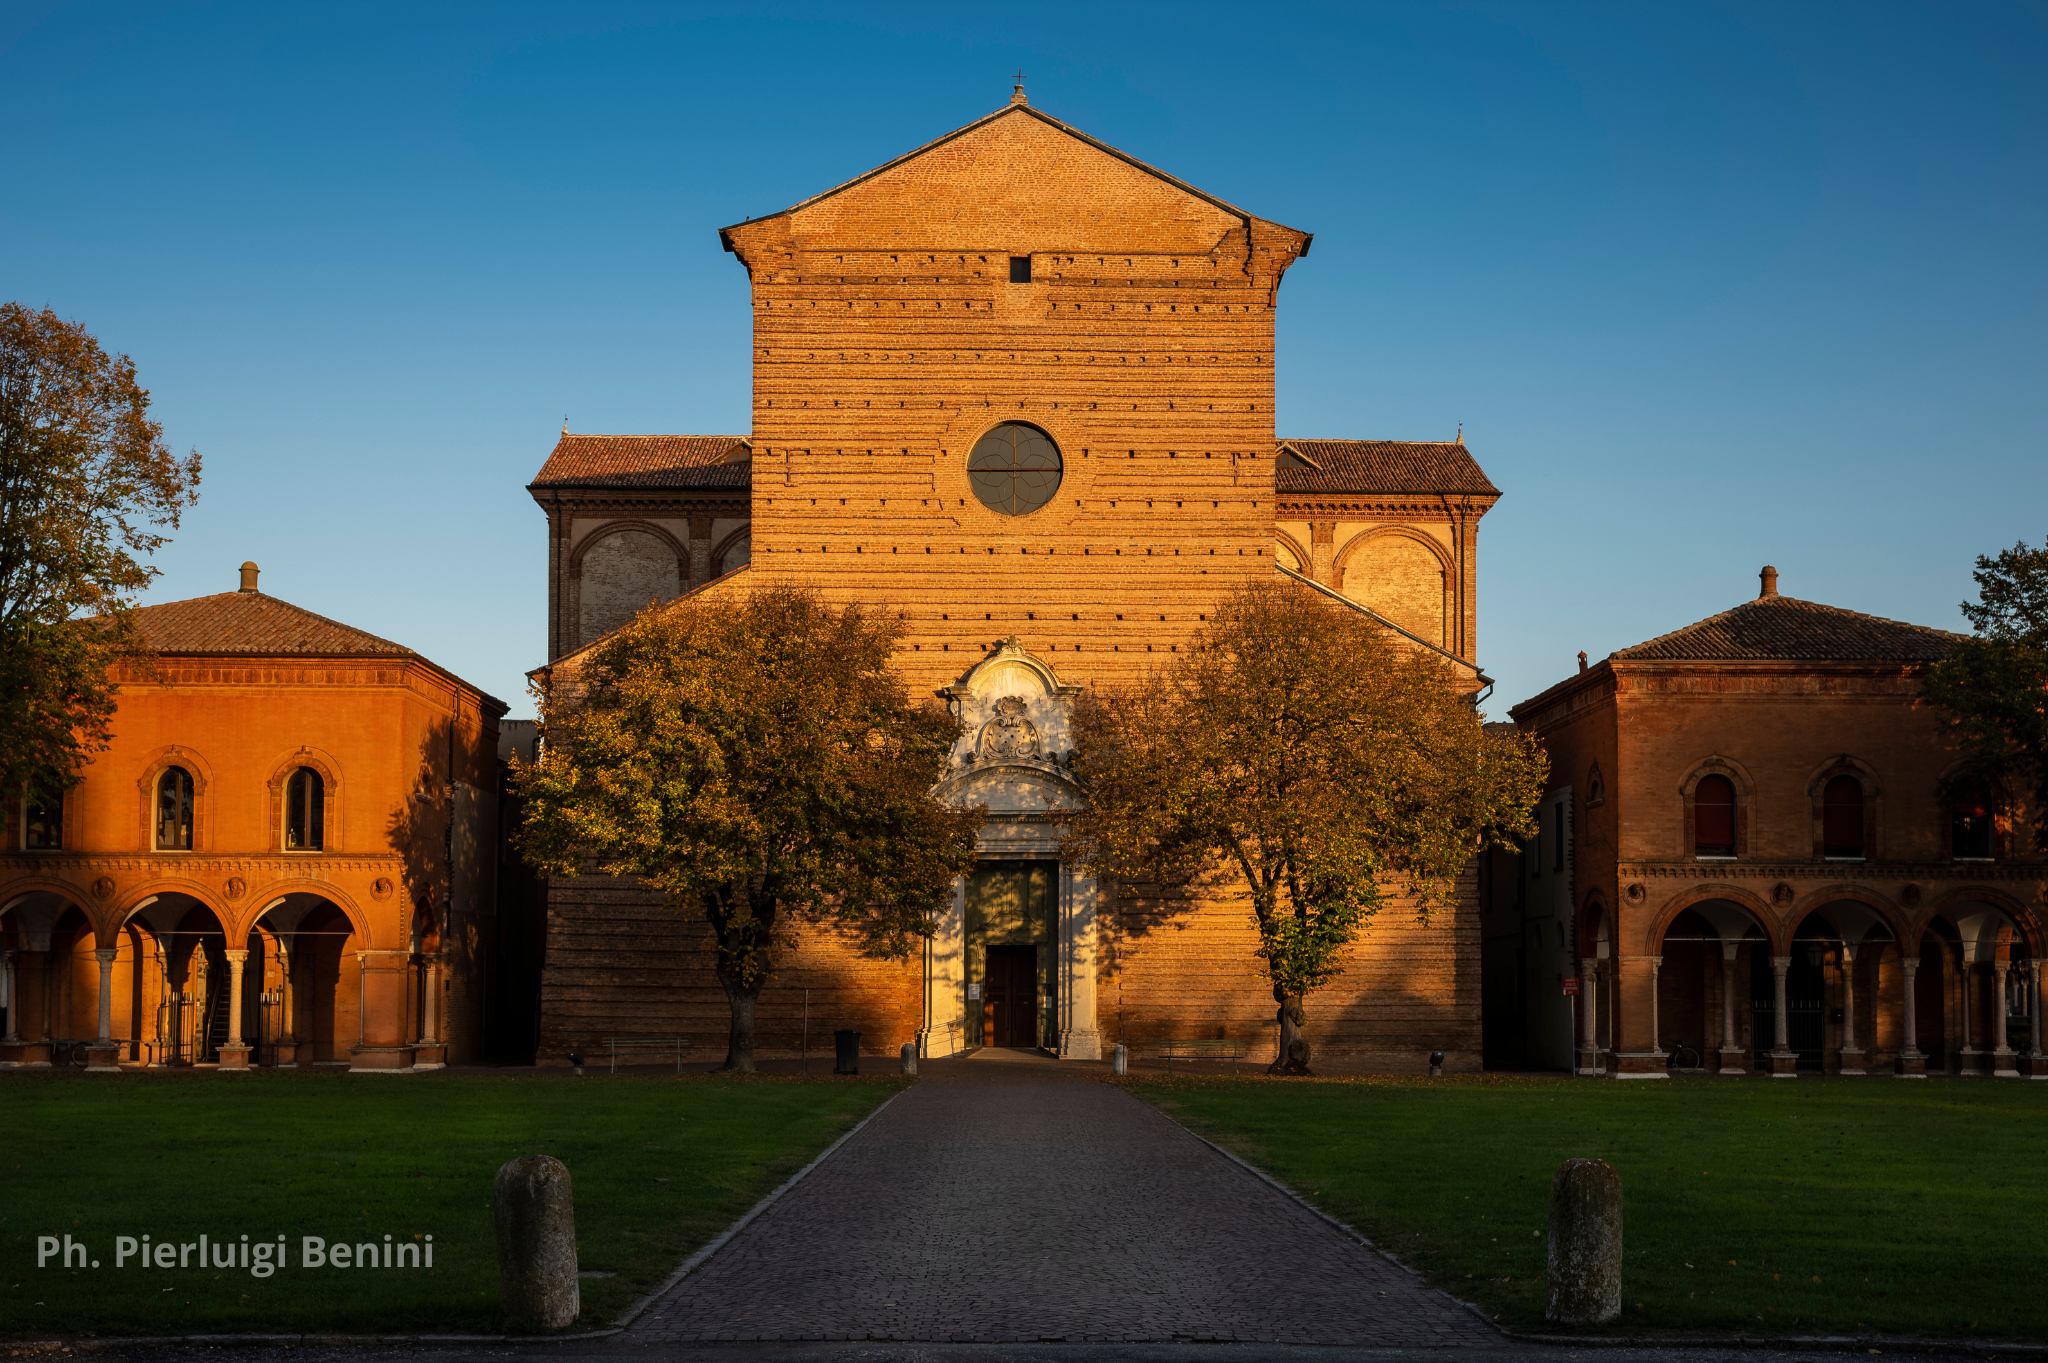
1970 823
1841 818
174 810
1713 817
305 812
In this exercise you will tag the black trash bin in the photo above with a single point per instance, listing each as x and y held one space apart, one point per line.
847 1044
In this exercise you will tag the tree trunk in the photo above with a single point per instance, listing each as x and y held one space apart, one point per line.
1294 1050
739 1050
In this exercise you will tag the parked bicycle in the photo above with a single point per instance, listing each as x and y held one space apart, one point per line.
1679 1056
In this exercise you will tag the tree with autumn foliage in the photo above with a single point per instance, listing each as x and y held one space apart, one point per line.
757 762
1300 759
87 485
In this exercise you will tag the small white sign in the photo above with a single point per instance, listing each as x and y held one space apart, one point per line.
974 989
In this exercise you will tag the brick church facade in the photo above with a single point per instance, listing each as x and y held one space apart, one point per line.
1016 387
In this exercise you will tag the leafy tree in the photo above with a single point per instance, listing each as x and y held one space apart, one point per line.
1993 689
758 763
1295 757
86 484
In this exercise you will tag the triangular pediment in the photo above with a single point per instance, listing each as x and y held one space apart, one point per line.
1015 181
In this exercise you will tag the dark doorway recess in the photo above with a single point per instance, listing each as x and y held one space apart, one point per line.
1011 1006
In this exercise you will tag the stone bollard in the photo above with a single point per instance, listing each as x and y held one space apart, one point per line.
1120 1059
1585 1243
536 1244
910 1057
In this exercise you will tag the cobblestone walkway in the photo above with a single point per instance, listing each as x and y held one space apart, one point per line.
1009 1199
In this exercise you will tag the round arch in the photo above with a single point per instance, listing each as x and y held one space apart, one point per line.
1816 901
272 893
1760 913
171 898
2022 915
1353 546
1304 561
679 556
725 546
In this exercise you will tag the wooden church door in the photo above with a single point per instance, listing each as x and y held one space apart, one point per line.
1012 985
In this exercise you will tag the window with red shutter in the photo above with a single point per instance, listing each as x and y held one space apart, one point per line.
1713 817
1841 818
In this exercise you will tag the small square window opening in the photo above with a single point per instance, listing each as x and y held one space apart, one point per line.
1020 269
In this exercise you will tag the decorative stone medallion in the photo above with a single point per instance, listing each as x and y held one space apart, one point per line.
103 888
381 887
1781 893
1636 894
235 888
1910 896
1008 733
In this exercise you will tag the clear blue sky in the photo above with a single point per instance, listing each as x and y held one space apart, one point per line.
1709 286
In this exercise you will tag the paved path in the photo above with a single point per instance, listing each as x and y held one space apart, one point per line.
1011 1199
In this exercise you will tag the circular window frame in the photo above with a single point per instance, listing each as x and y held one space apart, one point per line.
1059 470
952 493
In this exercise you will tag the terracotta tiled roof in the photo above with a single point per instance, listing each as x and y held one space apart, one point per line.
252 624
1782 628
634 461
1380 466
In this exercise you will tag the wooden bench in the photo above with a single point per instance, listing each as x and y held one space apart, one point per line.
663 1046
1198 1049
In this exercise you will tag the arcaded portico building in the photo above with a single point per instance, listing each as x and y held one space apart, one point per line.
1016 389
1754 859
285 857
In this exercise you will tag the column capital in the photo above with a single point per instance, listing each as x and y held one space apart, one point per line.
105 955
236 954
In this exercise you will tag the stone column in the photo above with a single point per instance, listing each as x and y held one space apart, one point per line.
1784 1061
287 1035
235 1055
1969 1053
103 1055
1079 1038
1852 1054
1589 1010
1912 1064
383 1045
2037 1063
2002 1058
1656 1024
1732 1056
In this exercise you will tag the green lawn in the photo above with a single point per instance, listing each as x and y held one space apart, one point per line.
660 1166
1815 1206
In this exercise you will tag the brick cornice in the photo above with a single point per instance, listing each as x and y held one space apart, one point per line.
1830 870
